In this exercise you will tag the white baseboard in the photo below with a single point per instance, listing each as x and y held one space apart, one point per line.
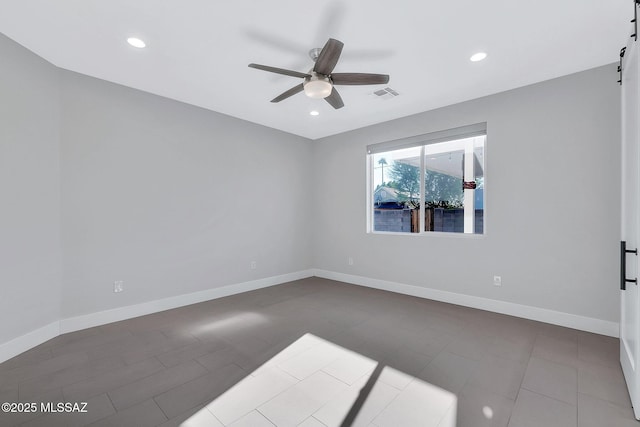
29 340
574 321
122 313
25 342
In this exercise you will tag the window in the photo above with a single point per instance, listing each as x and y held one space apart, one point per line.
428 183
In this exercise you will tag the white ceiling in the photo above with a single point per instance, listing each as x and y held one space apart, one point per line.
198 50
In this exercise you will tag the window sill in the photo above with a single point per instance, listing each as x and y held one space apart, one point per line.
440 234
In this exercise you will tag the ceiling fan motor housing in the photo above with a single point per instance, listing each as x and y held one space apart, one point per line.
317 86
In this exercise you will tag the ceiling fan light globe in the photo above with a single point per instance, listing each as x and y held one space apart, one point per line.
318 89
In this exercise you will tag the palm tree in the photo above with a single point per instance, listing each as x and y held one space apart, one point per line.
382 162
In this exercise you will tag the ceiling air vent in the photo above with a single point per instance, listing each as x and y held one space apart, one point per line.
386 93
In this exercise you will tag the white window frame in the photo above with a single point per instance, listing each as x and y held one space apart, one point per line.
424 141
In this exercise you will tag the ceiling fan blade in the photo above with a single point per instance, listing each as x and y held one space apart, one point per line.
290 92
359 79
280 71
334 99
328 57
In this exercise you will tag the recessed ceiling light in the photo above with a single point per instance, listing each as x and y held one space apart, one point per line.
136 42
478 57
314 113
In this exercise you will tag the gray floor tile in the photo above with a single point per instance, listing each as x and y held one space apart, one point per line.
71 337
182 419
224 357
603 382
594 412
155 384
559 332
199 391
145 414
480 354
111 380
9 395
480 408
135 347
471 347
35 355
510 349
154 347
81 372
535 410
449 371
194 418
12 419
190 352
90 342
427 341
521 331
408 361
552 379
498 375
599 349
561 350
97 408
35 370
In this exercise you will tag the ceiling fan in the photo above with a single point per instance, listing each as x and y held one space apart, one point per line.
319 82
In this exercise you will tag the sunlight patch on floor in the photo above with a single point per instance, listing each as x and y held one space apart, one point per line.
314 382
240 320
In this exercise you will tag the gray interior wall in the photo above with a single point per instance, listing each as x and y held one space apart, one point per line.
173 199
552 200
30 190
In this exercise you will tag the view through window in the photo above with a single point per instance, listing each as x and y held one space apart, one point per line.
432 185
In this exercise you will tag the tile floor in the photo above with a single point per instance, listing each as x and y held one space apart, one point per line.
321 353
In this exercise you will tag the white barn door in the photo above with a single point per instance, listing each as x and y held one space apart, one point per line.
629 295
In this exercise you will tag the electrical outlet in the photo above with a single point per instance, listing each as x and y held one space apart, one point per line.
497 281
118 286
254 265
350 260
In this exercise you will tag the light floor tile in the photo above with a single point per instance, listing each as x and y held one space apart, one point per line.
450 419
248 394
420 404
299 402
252 419
350 367
202 418
312 360
311 422
335 412
395 378
303 343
